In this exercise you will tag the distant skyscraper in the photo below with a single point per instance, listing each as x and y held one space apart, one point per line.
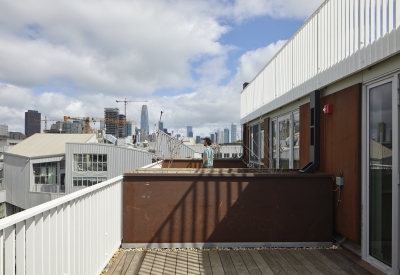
160 125
226 135
121 126
130 127
3 130
233 132
111 116
212 137
189 131
220 136
198 139
144 119
32 122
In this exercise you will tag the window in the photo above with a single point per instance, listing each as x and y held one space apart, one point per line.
226 155
87 181
90 162
285 141
234 155
45 173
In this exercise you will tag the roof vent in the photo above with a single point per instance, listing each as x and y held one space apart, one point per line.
245 84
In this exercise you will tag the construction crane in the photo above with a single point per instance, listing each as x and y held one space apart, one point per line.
126 102
45 123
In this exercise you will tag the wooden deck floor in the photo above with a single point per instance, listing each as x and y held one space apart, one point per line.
252 262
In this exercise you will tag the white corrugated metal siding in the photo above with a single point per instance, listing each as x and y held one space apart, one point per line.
341 38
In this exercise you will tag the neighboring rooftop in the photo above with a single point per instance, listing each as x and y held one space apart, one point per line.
39 145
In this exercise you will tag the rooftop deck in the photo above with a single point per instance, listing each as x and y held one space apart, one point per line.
271 261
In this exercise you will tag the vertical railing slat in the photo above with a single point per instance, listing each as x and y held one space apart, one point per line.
1 252
20 248
30 246
55 232
9 236
59 239
38 248
46 242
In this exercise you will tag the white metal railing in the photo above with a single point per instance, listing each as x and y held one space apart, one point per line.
75 234
339 39
166 146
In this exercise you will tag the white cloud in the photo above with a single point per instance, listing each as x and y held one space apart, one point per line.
117 49
252 62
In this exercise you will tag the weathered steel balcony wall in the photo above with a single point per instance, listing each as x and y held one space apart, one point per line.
210 207
197 163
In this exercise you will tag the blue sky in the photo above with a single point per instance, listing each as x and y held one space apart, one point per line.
188 59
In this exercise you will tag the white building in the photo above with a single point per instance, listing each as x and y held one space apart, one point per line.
47 166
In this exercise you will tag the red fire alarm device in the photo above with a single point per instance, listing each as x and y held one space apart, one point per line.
328 109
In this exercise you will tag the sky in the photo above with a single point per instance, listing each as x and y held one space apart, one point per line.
187 58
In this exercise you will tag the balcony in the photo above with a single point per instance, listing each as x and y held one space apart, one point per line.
164 208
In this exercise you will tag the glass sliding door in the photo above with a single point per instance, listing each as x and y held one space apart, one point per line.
380 126
273 139
284 142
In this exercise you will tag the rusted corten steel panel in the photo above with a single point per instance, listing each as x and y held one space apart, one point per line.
340 151
197 163
237 207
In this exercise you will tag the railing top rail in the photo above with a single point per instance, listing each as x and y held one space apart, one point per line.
26 214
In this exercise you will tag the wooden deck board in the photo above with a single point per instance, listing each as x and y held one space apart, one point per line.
307 264
115 264
317 263
240 266
216 264
289 269
227 264
328 262
273 264
136 263
232 262
205 265
261 263
250 263
301 269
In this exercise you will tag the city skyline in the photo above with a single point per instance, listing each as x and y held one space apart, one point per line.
194 75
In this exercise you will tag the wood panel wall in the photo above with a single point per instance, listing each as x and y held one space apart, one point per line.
340 151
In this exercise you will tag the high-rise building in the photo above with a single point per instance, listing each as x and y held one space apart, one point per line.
144 120
226 135
220 136
212 137
3 130
32 122
233 132
198 139
111 116
189 131
130 127
121 126
160 125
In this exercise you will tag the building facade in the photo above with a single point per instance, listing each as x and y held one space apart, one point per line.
338 90
226 135
234 132
189 131
111 116
4 131
32 122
